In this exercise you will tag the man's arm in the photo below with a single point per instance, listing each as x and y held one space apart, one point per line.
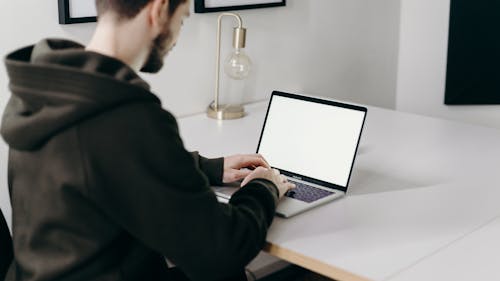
143 178
212 168
229 169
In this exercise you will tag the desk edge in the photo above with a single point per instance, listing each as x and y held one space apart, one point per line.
312 264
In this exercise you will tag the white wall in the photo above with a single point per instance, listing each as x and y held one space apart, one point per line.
343 49
422 65
337 48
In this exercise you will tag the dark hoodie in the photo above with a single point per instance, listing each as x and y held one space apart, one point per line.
101 185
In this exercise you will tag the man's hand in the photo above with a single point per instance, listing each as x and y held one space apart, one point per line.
272 175
234 164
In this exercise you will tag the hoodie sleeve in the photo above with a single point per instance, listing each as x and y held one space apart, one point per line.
212 168
141 176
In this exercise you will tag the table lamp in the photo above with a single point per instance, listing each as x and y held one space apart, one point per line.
237 66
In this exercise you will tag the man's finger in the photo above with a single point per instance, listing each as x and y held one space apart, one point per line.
262 157
241 174
283 179
250 161
259 161
244 182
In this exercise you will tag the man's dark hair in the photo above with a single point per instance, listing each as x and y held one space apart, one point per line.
127 9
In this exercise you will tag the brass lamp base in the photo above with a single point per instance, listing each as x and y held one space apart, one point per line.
225 112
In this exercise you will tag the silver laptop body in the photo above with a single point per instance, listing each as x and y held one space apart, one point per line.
313 142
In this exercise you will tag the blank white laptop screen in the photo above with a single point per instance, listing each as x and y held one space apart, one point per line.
311 139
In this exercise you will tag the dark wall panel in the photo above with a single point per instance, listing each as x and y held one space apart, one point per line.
473 75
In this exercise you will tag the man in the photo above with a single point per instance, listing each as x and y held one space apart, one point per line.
100 184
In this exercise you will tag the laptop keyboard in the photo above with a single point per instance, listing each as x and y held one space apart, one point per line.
306 193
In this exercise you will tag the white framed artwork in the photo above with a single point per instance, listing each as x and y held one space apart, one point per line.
77 11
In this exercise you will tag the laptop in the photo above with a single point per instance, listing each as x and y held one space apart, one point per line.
313 142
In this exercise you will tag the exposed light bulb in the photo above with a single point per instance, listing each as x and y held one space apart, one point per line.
238 65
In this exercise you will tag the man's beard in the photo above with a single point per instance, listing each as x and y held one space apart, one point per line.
154 62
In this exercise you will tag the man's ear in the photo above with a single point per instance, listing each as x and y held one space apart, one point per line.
158 15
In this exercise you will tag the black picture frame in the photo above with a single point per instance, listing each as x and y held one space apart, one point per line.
65 15
199 7
473 53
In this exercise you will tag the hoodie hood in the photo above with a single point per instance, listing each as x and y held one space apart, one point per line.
56 84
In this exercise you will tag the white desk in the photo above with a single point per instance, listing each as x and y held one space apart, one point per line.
475 257
419 185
